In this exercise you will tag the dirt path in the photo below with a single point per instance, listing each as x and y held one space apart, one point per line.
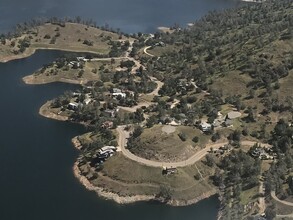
261 201
123 135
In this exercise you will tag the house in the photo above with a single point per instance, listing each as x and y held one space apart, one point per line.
217 122
228 122
74 64
87 101
106 152
122 94
73 106
118 92
170 170
173 123
115 90
261 154
160 44
81 59
111 112
76 94
107 124
108 148
204 126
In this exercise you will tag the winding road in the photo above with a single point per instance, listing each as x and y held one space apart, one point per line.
273 194
146 52
122 142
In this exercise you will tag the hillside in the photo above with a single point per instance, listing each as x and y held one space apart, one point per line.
241 57
67 36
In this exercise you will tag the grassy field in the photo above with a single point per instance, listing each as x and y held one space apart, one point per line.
158 145
69 38
148 180
250 195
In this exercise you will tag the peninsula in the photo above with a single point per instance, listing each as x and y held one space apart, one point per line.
179 115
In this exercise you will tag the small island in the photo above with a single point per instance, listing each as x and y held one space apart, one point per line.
179 115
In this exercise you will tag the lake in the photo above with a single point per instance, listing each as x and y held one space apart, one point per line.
128 15
37 156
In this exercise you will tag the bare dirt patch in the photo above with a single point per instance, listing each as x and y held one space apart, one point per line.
168 129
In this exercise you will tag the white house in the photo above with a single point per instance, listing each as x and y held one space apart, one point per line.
116 94
204 126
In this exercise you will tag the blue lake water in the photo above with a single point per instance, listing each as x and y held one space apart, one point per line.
129 15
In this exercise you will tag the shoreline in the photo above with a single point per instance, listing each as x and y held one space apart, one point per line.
32 51
101 192
47 114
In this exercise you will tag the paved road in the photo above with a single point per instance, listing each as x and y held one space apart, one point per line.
273 194
123 135
146 52
159 86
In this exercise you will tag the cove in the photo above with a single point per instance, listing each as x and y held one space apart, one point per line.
37 156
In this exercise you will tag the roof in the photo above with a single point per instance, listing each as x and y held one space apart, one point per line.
234 114
205 124
228 122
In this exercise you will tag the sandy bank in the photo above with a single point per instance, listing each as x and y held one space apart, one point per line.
45 111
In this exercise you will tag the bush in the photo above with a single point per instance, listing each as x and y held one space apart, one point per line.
195 139
87 42
47 36
216 136
182 136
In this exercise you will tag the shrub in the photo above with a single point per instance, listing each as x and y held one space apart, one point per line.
182 136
